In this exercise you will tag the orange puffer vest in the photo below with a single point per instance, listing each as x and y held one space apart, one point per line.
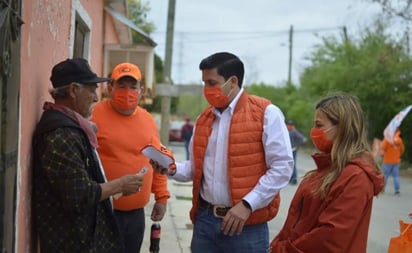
246 158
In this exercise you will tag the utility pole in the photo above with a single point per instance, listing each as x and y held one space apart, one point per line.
166 99
290 55
345 34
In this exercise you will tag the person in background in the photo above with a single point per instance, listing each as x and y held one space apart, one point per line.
240 159
186 132
391 160
296 140
331 209
124 128
72 207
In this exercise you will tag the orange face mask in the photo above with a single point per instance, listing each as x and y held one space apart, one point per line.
215 96
125 99
320 140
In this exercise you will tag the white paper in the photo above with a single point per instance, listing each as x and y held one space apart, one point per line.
162 159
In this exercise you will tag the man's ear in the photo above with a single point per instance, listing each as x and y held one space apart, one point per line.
110 87
73 90
235 81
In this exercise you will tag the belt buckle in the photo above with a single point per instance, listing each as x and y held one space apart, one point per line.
220 211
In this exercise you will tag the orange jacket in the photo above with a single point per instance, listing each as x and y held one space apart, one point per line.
340 221
120 140
246 157
392 152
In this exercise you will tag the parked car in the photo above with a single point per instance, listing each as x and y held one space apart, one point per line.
175 131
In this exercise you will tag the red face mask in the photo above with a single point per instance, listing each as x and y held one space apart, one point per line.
125 99
320 140
215 96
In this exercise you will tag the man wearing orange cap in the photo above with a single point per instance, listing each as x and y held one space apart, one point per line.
124 128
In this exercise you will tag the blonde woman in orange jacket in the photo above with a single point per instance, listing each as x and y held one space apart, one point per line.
391 161
331 209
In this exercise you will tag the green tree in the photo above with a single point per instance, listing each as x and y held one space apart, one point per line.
400 8
290 100
137 12
376 68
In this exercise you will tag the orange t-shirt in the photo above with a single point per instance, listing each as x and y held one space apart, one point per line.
120 140
392 152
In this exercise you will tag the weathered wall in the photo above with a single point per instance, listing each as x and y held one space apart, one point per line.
46 40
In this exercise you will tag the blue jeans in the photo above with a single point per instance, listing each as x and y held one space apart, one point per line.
187 148
392 169
294 177
207 236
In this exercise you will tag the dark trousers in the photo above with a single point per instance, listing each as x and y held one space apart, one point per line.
132 226
294 177
187 148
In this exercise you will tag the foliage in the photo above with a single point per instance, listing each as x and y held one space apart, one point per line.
294 104
137 12
159 69
191 106
400 8
376 69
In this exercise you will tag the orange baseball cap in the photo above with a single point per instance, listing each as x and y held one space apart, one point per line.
126 69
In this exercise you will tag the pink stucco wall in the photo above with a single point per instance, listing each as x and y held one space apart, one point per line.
44 42
110 33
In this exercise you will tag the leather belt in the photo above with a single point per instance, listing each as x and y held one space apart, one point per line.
218 210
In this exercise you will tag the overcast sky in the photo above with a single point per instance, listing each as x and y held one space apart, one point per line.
257 31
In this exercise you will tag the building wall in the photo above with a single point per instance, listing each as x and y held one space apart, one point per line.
46 39
110 34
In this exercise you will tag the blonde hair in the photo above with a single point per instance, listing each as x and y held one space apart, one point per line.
350 142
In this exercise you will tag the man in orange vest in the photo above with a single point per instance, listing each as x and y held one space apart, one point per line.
240 159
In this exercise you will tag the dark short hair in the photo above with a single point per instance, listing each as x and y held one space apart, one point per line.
227 65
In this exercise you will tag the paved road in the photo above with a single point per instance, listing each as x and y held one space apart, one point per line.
176 227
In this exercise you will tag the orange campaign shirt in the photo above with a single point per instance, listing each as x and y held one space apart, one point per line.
120 140
392 152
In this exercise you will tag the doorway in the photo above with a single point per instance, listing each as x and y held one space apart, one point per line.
10 22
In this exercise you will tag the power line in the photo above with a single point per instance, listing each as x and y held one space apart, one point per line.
311 30
198 36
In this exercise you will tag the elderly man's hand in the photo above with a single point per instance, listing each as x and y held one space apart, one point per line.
131 183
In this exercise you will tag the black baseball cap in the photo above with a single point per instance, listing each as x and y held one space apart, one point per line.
76 70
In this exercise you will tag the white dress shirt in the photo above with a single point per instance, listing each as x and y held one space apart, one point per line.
278 156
